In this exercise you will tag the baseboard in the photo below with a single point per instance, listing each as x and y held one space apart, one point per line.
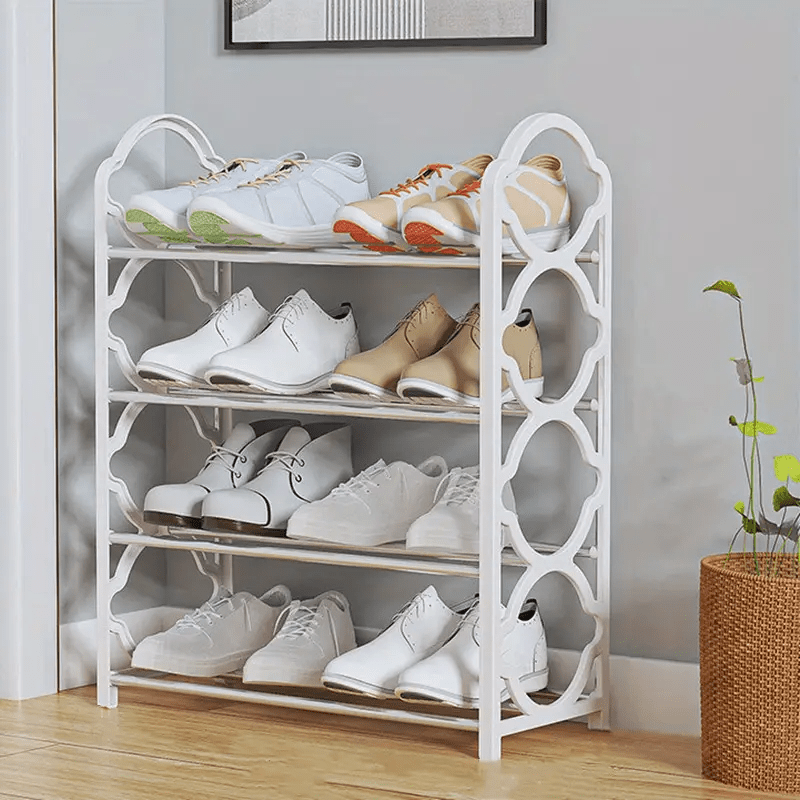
646 694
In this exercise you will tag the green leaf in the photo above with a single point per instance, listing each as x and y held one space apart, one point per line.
739 507
733 421
751 428
784 499
750 525
758 380
726 287
787 466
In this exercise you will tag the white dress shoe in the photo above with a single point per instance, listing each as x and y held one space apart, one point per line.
230 465
310 633
296 353
294 205
160 215
453 523
416 632
306 465
185 360
216 638
451 674
375 507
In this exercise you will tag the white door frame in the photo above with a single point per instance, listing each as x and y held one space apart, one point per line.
28 532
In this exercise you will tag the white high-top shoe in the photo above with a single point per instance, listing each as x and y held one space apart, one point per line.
375 507
451 674
453 523
306 465
310 633
296 354
294 205
185 360
417 631
230 465
216 638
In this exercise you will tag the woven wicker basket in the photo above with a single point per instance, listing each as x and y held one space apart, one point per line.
750 671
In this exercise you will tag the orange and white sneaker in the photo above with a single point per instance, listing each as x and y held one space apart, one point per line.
536 192
375 223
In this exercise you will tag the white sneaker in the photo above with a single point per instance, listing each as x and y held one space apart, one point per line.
216 638
374 507
310 634
451 674
417 631
294 205
307 464
230 465
453 523
184 361
375 224
160 215
295 354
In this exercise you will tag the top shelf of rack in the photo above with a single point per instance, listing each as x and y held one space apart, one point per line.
332 257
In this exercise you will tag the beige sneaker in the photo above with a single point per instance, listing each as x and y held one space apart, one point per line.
536 192
453 374
375 372
375 223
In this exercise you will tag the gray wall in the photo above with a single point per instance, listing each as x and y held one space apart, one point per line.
109 73
694 107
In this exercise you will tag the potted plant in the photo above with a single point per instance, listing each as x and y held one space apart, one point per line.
750 618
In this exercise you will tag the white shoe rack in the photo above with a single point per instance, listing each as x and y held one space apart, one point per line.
587 267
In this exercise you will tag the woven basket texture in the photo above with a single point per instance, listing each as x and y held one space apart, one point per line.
750 671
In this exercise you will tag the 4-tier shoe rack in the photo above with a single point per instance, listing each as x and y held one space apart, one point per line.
587 695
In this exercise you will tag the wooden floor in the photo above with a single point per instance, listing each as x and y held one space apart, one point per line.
164 746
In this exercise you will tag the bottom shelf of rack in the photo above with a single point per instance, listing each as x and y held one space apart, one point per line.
230 687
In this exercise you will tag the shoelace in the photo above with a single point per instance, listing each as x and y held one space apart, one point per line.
302 623
472 319
283 170
414 317
459 489
214 177
290 307
286 460
360 484
218 453
469 189
205 615
425 174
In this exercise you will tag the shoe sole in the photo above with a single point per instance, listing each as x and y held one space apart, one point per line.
533 682
286 677
166 376
237 381
348 535
450 240
417 390
348 386
344 683
144 224
238 526
192 669
354 225
237 230
171 520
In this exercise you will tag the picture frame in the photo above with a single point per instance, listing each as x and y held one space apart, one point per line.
337 24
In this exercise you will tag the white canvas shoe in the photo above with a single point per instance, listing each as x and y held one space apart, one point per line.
216 638
416 632
294 205
306 465
453 523
295 354
375 507
230 465
310 634
160 215
451 674
184 361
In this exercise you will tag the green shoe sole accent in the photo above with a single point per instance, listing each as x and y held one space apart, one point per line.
209 226
159 230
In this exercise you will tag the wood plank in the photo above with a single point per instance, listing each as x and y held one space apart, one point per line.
10 745
201 748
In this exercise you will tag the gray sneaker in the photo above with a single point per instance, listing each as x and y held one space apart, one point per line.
216 638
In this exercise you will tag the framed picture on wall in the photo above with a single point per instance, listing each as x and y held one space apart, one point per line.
254 24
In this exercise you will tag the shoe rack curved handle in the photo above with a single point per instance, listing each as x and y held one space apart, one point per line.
496 469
